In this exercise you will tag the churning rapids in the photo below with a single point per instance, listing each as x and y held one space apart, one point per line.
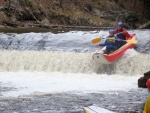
55 73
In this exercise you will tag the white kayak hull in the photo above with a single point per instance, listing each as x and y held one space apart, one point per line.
98 57
95 109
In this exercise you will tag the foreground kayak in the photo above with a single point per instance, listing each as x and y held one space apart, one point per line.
98 57
95 109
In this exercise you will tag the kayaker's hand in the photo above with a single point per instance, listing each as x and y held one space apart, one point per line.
97 45
118 39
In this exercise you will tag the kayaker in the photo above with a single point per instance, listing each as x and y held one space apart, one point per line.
147 104
121 34
110 43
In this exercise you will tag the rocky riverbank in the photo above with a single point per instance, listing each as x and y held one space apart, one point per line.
70 13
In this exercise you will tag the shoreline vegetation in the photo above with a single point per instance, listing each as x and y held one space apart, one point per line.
73 14
56 28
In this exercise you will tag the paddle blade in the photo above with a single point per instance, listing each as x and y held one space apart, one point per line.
132 41
96 40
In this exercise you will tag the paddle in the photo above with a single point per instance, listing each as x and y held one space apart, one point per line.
131 41
96 40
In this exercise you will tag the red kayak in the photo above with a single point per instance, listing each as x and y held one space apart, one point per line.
98 57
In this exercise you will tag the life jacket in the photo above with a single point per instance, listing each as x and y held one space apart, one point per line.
120 36
111 42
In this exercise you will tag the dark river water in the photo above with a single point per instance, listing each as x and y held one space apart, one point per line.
73 102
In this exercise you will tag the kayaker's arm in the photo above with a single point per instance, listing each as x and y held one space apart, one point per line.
118 39
103 44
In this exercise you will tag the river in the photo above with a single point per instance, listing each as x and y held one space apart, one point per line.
47 72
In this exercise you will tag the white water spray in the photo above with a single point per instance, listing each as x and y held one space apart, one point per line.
71 62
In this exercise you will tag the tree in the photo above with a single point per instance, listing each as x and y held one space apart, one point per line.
135 1
146 9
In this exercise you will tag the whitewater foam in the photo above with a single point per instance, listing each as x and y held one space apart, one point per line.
26 83
45 61
71 62
138 64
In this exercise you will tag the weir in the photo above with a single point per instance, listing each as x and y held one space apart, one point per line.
70 62
69 52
